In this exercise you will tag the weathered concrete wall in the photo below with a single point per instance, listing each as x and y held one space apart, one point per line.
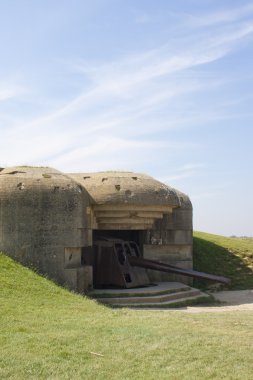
42 212
47 218
170 241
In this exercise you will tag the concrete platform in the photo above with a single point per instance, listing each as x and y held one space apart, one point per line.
163 294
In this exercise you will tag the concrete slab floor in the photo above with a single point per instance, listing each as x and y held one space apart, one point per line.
155 288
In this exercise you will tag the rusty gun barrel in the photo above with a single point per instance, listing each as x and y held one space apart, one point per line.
162 267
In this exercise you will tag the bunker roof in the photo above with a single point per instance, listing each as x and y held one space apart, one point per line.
127 188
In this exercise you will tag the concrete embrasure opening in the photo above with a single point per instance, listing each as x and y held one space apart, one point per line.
138 236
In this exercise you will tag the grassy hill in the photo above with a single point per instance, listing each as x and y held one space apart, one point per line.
231 257
47 332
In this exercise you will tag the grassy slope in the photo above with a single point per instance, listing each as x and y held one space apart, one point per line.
47 332
225 256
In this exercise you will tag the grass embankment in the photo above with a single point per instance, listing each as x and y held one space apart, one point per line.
47 332
230 257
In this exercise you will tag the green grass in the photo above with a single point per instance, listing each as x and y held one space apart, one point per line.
47 332
230 257
203 301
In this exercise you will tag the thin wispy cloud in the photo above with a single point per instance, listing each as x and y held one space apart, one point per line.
159 88
190 170
10 91
222 16
108 152
123 77
118 98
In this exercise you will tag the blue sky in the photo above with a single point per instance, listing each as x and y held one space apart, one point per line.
160 87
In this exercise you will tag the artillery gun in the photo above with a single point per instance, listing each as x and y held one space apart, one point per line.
118 263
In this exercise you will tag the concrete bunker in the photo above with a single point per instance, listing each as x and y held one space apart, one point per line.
136 208
79 229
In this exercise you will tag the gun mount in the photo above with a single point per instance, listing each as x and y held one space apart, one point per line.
118 263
